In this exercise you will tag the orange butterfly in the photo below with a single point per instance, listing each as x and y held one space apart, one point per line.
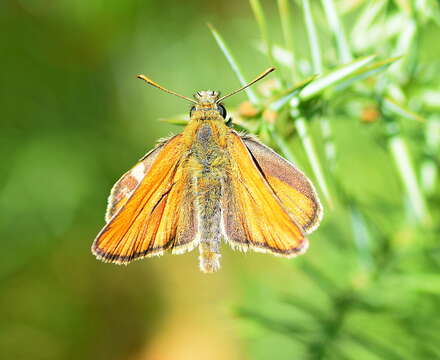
207 184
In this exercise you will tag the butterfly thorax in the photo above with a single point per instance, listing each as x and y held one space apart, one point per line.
209 110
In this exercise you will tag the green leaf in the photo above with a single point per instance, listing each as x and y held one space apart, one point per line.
320 278
366 72
262 24
309 147
282 145
286 96
248 126
313 38
426 282
286 25
405 6
401 156
176 120
281 55
371 344
338 32
233 63
365 22
307 307
393 106
334 77
273 324
362 238
429 98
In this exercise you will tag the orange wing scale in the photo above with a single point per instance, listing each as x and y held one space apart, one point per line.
127 184
291 186
254 217
154 218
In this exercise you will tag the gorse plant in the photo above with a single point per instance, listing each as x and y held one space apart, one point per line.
370 288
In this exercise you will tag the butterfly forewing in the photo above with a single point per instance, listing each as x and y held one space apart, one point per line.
291 186
253 216
126 185
159 214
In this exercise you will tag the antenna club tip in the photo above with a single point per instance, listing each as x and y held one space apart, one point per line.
140 76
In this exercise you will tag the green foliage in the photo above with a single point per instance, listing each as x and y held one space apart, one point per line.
370 286
354 101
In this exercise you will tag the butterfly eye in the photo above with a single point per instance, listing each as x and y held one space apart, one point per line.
221 109
191 111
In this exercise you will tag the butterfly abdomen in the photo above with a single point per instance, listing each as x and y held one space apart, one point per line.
207 166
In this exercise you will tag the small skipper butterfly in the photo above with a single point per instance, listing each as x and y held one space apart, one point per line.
207 184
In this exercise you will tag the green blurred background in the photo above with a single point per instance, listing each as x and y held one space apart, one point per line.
74 118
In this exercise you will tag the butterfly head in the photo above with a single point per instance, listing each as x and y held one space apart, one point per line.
207 104
206 97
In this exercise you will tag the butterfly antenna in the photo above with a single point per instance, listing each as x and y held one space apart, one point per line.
258 78
151 82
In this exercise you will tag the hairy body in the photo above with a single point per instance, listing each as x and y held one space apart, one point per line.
208 164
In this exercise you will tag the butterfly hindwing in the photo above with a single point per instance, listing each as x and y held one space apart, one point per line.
157 216
291 186
253 216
